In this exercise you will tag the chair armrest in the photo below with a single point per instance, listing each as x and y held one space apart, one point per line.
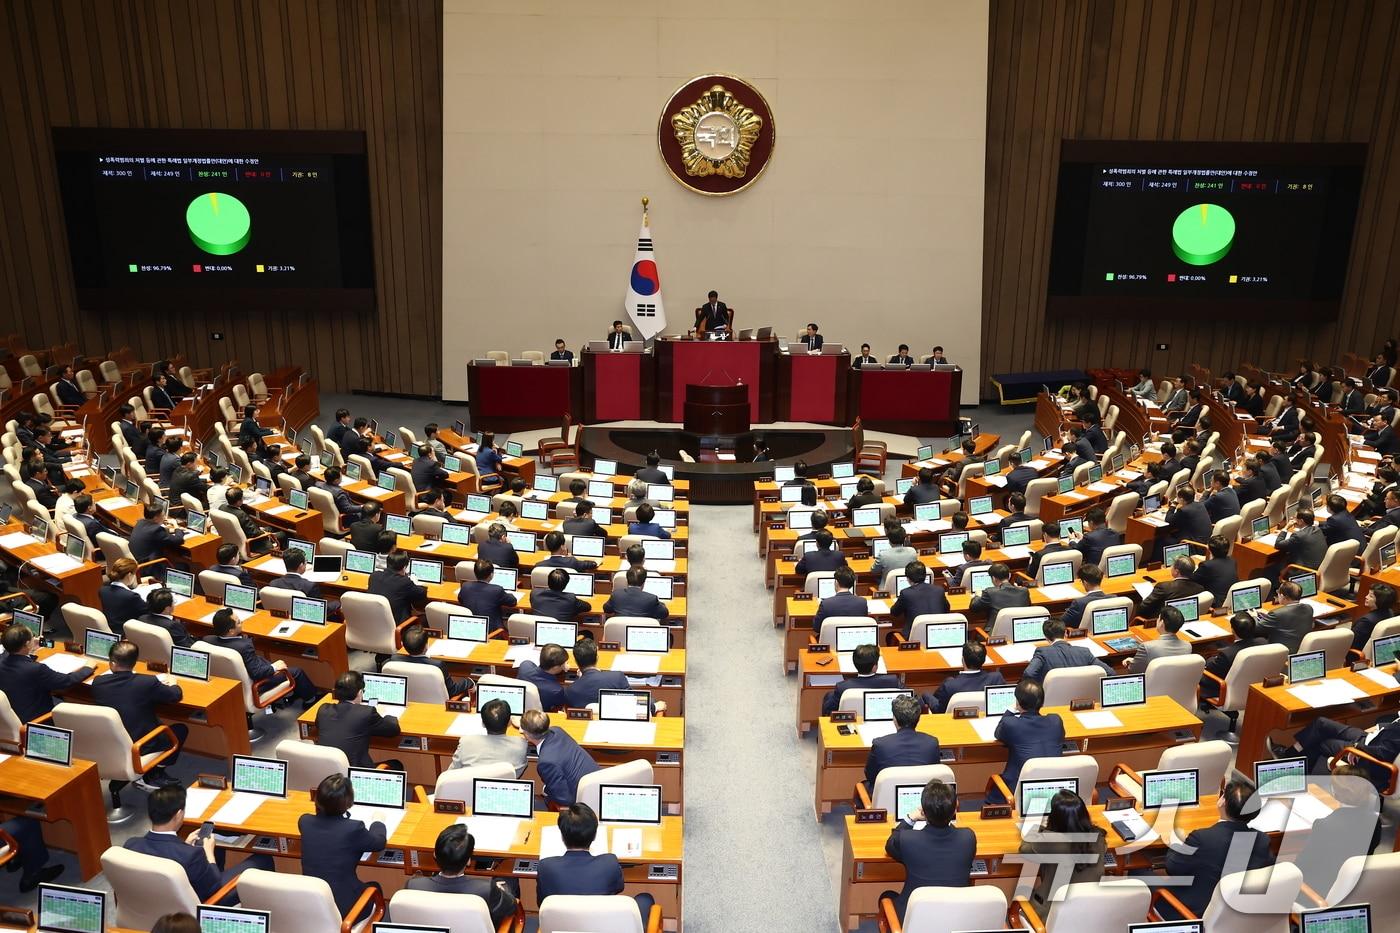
862 796
258 687
372 894
1196 543
1389 767
515 923
1317 899
229 887
11 845
1022 906
414 619
1163 894
419 794
888 918
1218 701
161 729
1122 768
996 782
654 920
1021 575
151 563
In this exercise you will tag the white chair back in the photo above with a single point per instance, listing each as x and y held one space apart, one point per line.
1269 902
1083 767
369 623
593 913
629 772
1072 683
152 641
425 684
887 782
1101 905
100 737
308 765
532 692
145 888
1336 642
458 913
943 910
1178 678
1251 666
296 902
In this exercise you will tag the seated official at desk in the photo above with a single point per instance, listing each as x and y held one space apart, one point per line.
644 524
904 747
545 676
924 595
497 549
713 316
1052 545
823 557
938 854
1027 734
898 556
1290 621
1178 587
364 531
415 644
632 600
936 358
301 472
151 536
350 513
1340 524
120 601
864 359
819 523
949 480
1323 739
561 352
582 523
864 495
971 679
1019 475
198 859
1067 838
972 559
1301 543
554 602
348 724
560 761
228 633
617 336
760 451
578 871
294 562
584 690
1059 653
1002 594
1380 601
1218 572
844 602
432 504
652 472
27 684
1187 519
135 698
338 428
484 598
1090 578
1204 855
865 659
453 854
394 584
188 481
925 490
902 358
811 339
558 547
332 842
1246 636
1099 536
1165 645
1354 828
1222 501
495 746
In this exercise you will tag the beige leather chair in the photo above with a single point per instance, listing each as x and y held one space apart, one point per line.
300 903
80 618
1114 550
147 887
212 583
629 772
1251 666
532 692
1373 879
231 532
1006 619
615 628
308 764
1335 642
1210 759
1272 892
1332 573
99 736
257 696
1073 683
1036 490
1179 678
1084 768
331 520
369 623
277 599
595 913
458 913
888 781
834 624
942 910
918 628
1120 510
11 729
425 683
152 641
1095 905
459 783
501 357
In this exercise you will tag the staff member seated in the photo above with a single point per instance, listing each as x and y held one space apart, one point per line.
1027 734
632 600
1204 855
1059 653
902 358
1069 839
936 855
135 698
332 842
865 659
415 644
905 746
27 684
1002 594
495 745
971 679
578 871
554 602
453 853
812 340
559 760
561 352
844 602
348 724
395 585
485 598
199 860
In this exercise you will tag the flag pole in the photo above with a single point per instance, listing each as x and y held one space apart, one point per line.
645 201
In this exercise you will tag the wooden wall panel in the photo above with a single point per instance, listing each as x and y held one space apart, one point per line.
371 65
1247 70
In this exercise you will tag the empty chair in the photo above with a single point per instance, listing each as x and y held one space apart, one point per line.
1266 906
596 913
11 729
946 910
1332 573
458 913
1251 666
1120 510
1084 768
615 628
1210 759
629 772
212 583
834 624
300 903
332 522
1072 683
257 696
308 765
425 683
152 641
888 781
1180 678
1094 905
100 737
1335 642
146 887
1036 490
1264 588
918 629
1363 879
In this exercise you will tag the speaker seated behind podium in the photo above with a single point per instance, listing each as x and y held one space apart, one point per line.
617 336
938 359
902 358
864 357
713 317
562 352
812 339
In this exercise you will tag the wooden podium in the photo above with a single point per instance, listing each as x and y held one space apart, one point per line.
717 410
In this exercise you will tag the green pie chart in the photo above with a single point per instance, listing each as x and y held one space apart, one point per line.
1203 234
218 223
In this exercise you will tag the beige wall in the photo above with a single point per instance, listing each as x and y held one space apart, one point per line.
867 220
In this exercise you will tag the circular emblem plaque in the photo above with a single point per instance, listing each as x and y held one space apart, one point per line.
716 135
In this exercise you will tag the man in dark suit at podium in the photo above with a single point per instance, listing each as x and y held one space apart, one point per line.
902 358
812 340
562 352
864 357
617 336
713 316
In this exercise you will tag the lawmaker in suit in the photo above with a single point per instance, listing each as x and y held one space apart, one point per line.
1002 594
484 598
578 871
971 679
554 602
617 337
1246 636
348 724
865 659
135 698
497 549
1178 587
1187 520
823 557
228 633
1340 524
559 760
1323 739
1380 603
1090 578
294 562
1211 853
1165 645
812 340
1067 838
904 747
1099 536
562 352
453 854
1217 573
937 855
644 524
1050 534
1305 546
332 841
120 601
415 646
27 684
1223 501
545 676
632 600
364 532
1018 476
713 317
925 490
582 523
1027 734
1287 624
1354 828
591 681
1059 653
350 513
864 358
843 602
923 596
69 392
395 585
495 745
198 859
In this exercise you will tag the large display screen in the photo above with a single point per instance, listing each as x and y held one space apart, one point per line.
1201 229
231 219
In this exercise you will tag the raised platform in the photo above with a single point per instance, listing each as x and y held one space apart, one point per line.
716 483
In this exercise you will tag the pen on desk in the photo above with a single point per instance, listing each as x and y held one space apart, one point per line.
527 834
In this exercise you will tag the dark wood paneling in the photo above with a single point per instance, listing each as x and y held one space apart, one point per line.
1247 70
370 65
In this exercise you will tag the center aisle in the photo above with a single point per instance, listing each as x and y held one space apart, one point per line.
753 852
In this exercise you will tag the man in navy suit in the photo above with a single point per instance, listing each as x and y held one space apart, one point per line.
69 393
27 684
395 585
150 538
585 688
583 524
228 633
560 762
644 524
197 858
824 557
545 676
1002 594
1340 524
1322 739
1223 501
332 843
1059 653
1218 572
415 643
1205 858
348 724
1050 534
921 597
557 544
578 871
120 601
554 602
82 511
330 484
227 557
632 600
1099 536
1018 476
497 549
905 746
1187 519
841 603
484 598
1251 484
294 562
936 855
971 679
1090 576
135 698
1026 734
865 659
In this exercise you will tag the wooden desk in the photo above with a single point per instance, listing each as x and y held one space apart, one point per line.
320 650
213 709
1146 730
78 585
426 745
1271 709
72 802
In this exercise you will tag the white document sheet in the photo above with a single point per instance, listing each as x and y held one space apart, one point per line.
1098 719
494 833
607 732
870 731
466 724
636 663
238 809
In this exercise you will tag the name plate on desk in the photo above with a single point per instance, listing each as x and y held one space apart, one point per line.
843 715
803 597
212 781
819 648
1075 633
585 714
517 640
872 816
910 646
157 667
457 807
995 640
966 712
609 646
1274 680
1081 703
996 811
458 706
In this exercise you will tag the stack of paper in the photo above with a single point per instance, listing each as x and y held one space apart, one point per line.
1074 495
637 663
17 539
1320 607
610 732
1142 589
1320 693
451 648
951 656
518 653
1016 654
1203 628
552 843
1101 486
878 607
870 731
1060 591
391 817
282 509
65 663
1381 677
985 728
1289 814
272 565
197 800
466 724
1017 552
111 504
626 841
238 809
1098 719
496 833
